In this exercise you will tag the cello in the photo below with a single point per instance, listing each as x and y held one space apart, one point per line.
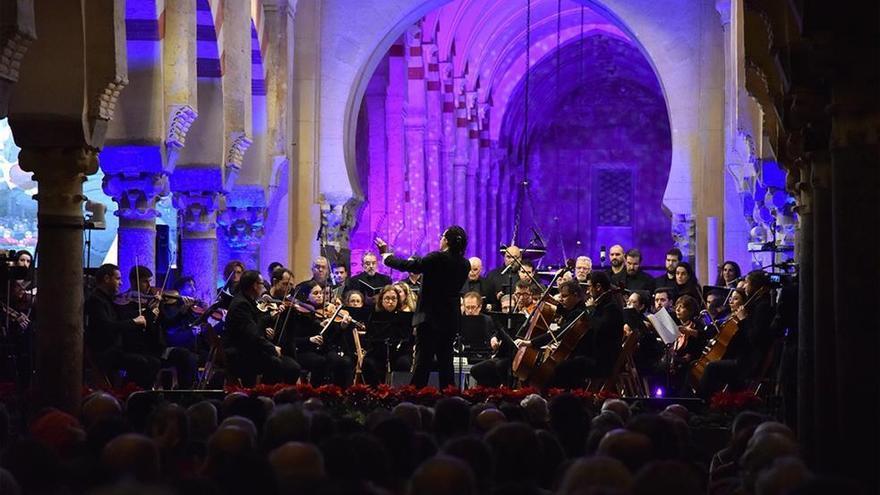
568 340
716 348
525 361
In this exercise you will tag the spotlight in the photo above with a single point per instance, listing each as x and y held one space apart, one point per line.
658 392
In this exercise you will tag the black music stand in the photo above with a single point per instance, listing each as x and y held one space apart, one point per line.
389 329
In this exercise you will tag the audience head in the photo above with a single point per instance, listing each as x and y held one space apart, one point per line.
476 454
132 456
488 419
298 466
409 413
202 420
662 477
58 430
97 406
595 475
618 407
517 452
443 475
537 411
451 417
633 449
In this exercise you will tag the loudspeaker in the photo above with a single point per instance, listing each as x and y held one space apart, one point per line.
163 249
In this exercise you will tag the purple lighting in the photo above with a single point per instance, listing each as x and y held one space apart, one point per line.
596 141
658 392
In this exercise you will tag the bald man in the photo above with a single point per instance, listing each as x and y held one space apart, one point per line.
475 281
500 280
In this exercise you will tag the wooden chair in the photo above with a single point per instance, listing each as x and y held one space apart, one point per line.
766 378
216 360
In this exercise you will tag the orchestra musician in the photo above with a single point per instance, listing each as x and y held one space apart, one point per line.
318 345
687 347
247 338
152 341
105 326
406 298
617 271
596 352
475 281
649 347
389 339
232 274
686 283
413 281
729 275
500 278
437 316
369 280
753 309
667 278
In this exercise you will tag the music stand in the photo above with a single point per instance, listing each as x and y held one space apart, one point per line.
472 343
387 329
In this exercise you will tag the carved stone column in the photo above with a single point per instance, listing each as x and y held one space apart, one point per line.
60 173
16 34
198 198
136 194
241 226
338 216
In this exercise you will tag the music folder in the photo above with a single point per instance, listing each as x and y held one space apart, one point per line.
368 289
394 327
665 326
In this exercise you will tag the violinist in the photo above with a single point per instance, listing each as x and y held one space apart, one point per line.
687 347
338 278
247 338
281 283
105 326
319 345
153 341
753 311
232 274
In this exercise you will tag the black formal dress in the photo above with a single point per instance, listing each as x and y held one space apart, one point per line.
248 349
437 317
331 362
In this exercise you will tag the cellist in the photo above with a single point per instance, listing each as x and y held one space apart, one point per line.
753 310
595 353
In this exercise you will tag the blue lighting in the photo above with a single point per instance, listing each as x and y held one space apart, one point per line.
658 392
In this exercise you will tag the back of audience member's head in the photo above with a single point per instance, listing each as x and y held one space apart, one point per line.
225 446
202 420
786 474
552 457
373 460
375 417
397 436
596 475
58 430
536 409
678 410
427 418
298 467
321 426
633 449
476 454
570 421
251 408
97 406
516 449
762 450
340 459
660 431
408 412
244 424
425 446
34 465
599 426
666 477
132 456
169 427
775 427
103 431
451 417
488 419
443 475
617 406
287 423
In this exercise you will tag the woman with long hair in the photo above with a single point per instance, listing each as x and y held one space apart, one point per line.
686 283
729 274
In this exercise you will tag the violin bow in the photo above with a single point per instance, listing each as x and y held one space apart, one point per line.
137 278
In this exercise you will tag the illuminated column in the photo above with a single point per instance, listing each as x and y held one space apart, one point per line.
434 111
459 170
415 142
447 152
395 159
473 165
198 197
483 178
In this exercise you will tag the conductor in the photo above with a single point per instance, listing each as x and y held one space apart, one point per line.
437 316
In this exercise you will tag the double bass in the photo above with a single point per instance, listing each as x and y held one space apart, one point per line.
716 348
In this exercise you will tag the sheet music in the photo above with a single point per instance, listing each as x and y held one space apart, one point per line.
665 326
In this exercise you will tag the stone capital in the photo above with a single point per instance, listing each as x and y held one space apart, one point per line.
239 143
60 173
338 215
136 194
198 212
17 31
724 8
242 226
